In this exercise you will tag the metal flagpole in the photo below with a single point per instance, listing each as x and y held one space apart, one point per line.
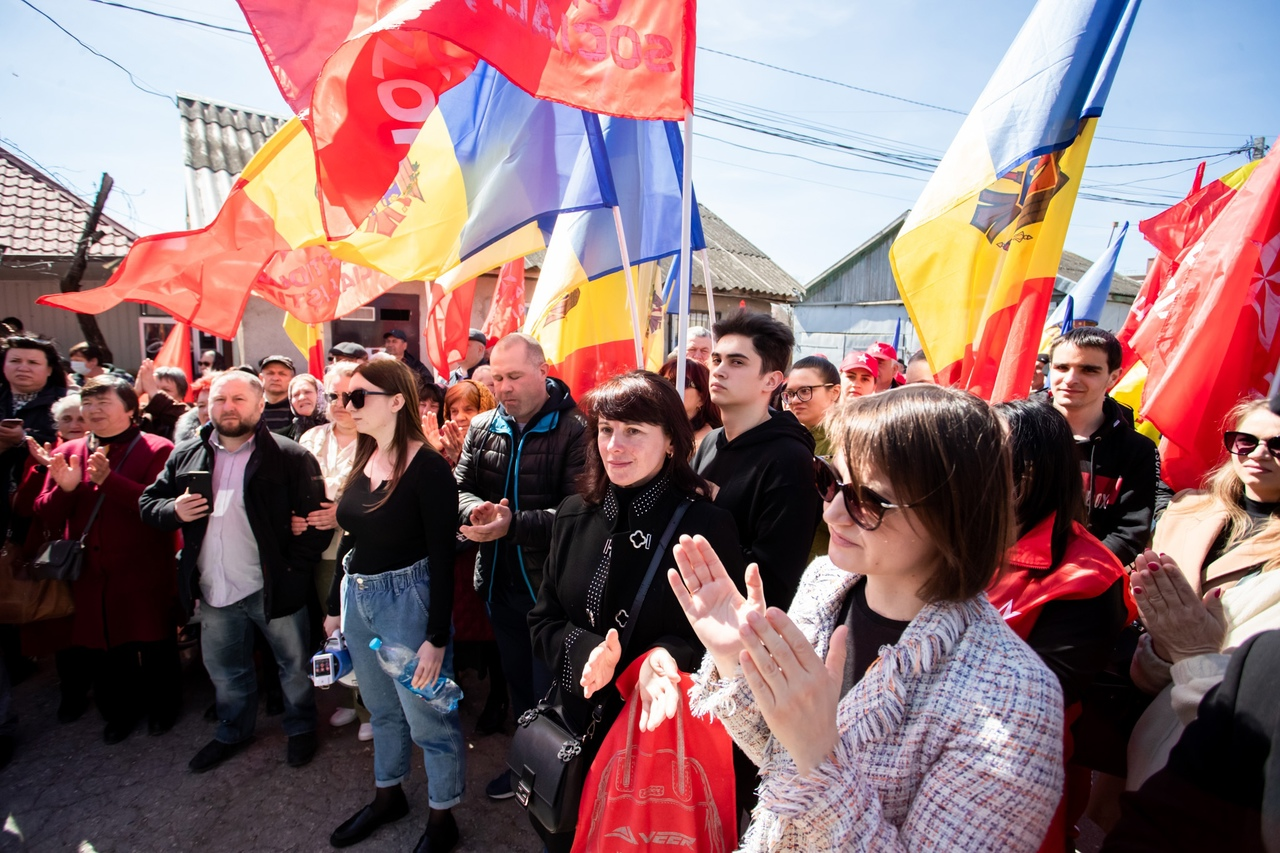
686 228
631 287
706 284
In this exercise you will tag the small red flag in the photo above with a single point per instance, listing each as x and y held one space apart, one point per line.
449 325
176 352
506 311
1218 316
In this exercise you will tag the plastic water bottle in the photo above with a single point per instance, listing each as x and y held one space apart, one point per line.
401 663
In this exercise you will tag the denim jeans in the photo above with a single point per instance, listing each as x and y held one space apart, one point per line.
226 640
393 606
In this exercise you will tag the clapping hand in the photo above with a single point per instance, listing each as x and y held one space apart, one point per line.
711 600
601 663
43 454
659 686
489 521
1181 624
451 442
65 471
99 467
431 429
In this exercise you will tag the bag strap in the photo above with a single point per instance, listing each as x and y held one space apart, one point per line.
102 496
629 756
665 541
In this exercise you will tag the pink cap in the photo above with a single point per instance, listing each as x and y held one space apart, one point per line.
882 350
860 361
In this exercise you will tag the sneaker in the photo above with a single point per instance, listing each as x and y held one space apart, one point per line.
366 732
500 787
343 717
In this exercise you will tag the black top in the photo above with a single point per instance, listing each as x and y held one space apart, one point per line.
1259 514
417 521
279 416
1075 637
868 631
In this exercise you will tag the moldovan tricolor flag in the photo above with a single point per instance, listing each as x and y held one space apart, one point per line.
978 255
365 74
309 339
1216 342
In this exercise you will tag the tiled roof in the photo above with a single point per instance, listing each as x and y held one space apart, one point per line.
217 141
41 217
737 264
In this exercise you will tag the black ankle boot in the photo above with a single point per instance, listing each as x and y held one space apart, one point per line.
389 804
441 834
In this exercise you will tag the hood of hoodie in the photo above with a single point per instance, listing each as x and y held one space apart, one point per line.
558 400
781 426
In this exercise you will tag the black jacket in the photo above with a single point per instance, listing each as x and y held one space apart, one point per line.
37 421
765 480
534 470
561 621
1121 470
281 480
1221 787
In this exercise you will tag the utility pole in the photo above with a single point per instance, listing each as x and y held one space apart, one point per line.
71 281
1258 148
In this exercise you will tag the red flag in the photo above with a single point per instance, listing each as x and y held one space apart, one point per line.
506 311
449 325
176 352
1217 316
365 74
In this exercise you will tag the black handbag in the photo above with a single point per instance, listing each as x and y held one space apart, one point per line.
547 764
63 559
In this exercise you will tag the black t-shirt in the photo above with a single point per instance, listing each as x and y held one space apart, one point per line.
868 631
1259 515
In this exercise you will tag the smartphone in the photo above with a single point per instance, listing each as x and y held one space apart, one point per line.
11 422
198 483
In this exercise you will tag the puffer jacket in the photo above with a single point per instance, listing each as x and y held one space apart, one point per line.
534 470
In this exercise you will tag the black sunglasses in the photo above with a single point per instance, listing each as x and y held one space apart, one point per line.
865 507
1243 443
358 396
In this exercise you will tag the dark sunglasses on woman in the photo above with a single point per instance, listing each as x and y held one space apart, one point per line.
357 397
865 507
1243 443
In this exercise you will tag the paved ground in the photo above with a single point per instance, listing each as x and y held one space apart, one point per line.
67 790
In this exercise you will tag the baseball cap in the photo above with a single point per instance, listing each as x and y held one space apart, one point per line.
860 361
882 350
396 333
1043 358
348 349
276 359
478 336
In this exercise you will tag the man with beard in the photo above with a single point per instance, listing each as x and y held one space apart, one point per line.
241 560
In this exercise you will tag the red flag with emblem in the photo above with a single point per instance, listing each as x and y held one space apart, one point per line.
365 74
449 325
506 312
1217 340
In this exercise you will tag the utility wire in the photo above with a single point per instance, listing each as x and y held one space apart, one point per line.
177 18
98 54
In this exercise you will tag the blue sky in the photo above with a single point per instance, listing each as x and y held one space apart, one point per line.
1193 83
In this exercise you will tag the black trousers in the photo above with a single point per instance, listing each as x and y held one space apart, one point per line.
129 681
528 678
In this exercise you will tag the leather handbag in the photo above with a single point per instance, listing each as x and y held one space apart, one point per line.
63 559
547 764
23 601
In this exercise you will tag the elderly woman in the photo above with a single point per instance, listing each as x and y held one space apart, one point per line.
32 381
308 402
637 474
891 709
123 633
1208 584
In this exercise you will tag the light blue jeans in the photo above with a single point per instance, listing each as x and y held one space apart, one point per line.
393 606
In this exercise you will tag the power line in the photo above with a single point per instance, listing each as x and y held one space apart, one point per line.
177 18
128 73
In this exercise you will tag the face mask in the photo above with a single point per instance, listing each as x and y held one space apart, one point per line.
79 367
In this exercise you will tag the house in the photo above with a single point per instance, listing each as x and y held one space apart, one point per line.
856 302
41 221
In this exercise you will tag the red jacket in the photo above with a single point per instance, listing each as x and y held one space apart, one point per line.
128 590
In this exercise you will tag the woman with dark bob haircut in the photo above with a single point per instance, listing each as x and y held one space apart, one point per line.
704 415
637 473
891 708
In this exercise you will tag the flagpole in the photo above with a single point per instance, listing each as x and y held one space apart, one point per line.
631 287
706 285
686 229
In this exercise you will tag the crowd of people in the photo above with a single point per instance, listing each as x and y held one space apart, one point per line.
924 621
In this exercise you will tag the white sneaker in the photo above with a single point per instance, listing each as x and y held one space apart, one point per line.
342 717
366 731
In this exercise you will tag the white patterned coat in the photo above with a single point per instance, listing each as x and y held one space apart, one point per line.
952 740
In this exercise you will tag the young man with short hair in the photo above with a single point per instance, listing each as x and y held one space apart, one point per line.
761 461
861 373
1121 467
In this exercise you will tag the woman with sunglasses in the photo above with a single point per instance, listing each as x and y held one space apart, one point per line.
891 709
398 508
1207 584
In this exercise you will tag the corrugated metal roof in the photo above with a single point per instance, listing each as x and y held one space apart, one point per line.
41 217
217 141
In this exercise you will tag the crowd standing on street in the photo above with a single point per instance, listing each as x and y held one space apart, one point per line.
869 612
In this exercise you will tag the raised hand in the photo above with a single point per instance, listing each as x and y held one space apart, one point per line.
1181 624
99 467
797 692
451 442
659 686
711 601
65 471
601 663
431 428
43 454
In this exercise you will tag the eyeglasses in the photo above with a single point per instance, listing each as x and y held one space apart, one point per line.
1243 443
804 393
206 364
865 507
331 397
357 397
